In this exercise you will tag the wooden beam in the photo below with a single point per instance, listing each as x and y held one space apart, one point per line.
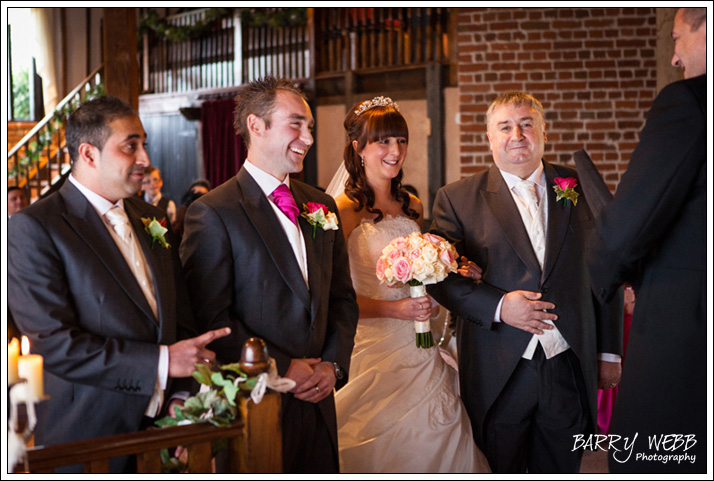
435 141
121 68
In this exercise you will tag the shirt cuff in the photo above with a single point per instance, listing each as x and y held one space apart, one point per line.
163 371
608 357
497 316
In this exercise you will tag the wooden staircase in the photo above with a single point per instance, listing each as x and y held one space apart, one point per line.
39 161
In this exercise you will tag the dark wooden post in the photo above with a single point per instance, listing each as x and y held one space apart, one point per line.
121 67
435 142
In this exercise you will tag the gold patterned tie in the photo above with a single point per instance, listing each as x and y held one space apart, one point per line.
120 223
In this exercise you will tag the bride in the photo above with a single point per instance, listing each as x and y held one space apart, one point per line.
400 411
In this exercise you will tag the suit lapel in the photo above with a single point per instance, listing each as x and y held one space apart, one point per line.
259 211
157 257
85 221
313 248
500 201
558 222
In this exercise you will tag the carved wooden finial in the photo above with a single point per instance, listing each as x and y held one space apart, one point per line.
254 357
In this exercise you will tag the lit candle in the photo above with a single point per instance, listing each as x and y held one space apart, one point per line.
13 352
29 367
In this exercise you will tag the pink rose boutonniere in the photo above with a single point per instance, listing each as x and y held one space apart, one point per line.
156 229
565 189
318 215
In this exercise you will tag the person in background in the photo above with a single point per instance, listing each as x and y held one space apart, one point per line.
195 190
606 397
653 235
151 186
16 200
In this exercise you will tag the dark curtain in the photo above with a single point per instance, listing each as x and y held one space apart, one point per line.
223 150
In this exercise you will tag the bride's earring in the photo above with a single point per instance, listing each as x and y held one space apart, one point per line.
362 159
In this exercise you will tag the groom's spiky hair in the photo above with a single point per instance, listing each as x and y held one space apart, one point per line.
258 98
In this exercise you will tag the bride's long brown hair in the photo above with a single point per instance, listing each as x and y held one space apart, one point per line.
373 125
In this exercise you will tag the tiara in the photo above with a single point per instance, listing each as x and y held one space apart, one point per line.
376 102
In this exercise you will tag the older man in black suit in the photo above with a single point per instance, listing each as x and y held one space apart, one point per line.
100 300
530 332
254 264
654 236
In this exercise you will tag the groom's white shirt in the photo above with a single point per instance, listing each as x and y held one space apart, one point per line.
268 184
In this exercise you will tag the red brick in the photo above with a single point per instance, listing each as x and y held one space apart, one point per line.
594 69
503 26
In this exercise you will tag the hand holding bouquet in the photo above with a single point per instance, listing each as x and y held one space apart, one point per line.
417 260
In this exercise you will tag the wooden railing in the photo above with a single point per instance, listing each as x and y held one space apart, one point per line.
363 38
254 445
209 60
206 61
333 41
283 52
40 159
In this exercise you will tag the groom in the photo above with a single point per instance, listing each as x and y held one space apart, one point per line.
252 263
530 332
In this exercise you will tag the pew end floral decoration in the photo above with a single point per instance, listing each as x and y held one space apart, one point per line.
215 403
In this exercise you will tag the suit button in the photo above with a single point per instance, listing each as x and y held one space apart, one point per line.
544 290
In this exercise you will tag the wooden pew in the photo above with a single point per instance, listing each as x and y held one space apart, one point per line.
254 445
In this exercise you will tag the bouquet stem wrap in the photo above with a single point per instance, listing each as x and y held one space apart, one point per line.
424 338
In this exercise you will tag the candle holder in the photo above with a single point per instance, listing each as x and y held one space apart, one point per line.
22 422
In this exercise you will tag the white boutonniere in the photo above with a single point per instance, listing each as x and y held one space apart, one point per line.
156 229
319 216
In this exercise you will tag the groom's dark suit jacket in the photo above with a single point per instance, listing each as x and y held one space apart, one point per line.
654 235
480 216
73 294
242 273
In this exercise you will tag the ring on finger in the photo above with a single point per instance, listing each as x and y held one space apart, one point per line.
317 388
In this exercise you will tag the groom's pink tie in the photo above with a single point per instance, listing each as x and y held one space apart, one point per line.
283 198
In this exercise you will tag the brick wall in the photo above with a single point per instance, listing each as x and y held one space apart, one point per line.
593 69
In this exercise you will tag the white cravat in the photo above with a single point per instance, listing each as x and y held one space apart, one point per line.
536 231
132 254
534 220
120 223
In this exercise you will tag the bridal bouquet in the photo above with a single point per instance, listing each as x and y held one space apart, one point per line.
417 260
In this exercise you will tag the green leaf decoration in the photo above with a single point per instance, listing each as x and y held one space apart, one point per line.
235 367
216 406
166 422
202 374
229 389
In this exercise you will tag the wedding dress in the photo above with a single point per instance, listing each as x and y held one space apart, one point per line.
400 411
